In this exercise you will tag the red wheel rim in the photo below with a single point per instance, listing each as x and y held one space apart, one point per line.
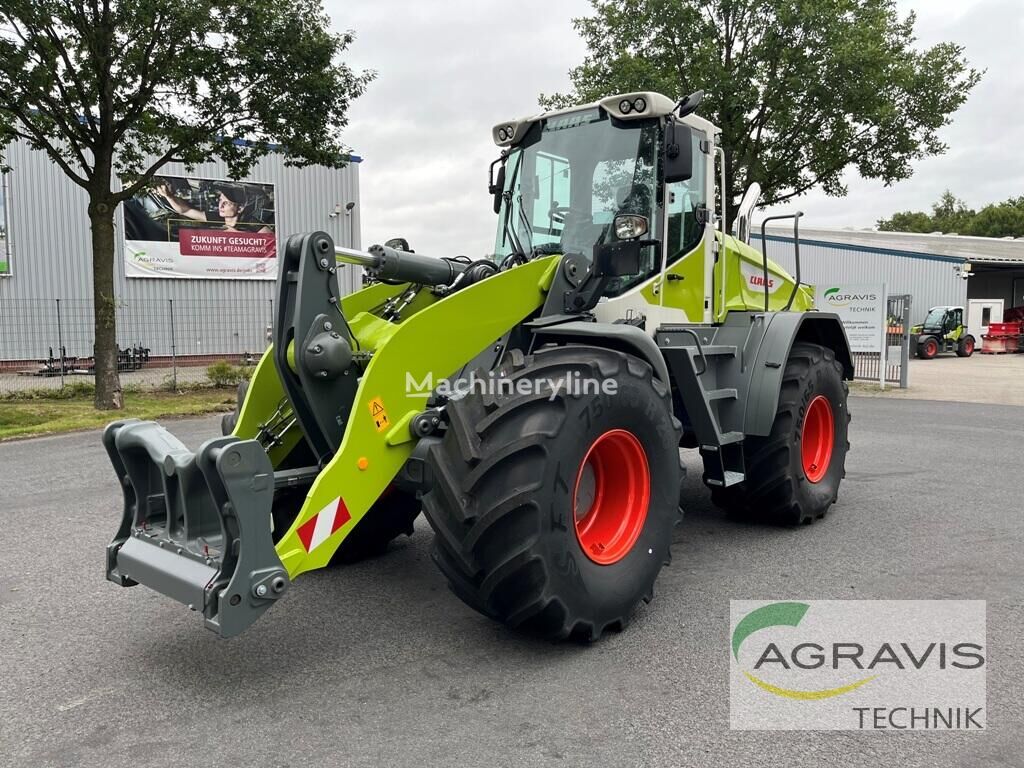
969 346
931 348
611 495
818 439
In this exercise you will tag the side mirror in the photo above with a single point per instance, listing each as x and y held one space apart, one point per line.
399 244
497 186
620 258
677 152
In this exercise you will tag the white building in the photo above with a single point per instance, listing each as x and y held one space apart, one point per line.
984 275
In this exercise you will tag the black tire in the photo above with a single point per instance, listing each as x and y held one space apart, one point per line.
777 488
229 420
965 347
391 516
505 480
928 348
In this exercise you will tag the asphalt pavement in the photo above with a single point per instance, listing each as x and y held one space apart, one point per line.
379 664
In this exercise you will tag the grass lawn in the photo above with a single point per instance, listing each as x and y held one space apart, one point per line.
25 418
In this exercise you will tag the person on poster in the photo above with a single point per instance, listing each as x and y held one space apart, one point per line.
230 207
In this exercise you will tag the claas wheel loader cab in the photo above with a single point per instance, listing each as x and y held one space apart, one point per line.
943 330
532 406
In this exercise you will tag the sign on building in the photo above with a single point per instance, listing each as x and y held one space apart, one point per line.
196 227
861 309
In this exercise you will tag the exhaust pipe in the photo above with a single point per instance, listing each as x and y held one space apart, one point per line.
745 213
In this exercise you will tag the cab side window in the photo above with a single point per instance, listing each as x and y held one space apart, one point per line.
551 196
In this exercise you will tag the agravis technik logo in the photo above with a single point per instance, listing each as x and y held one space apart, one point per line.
789 615
836 297
858 664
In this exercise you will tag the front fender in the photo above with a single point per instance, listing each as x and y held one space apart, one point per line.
618 336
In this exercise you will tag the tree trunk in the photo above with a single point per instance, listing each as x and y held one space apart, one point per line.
108 383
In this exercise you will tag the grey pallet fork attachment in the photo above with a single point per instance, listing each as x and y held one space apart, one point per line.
196 526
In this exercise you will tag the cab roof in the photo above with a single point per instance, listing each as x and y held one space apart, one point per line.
639 105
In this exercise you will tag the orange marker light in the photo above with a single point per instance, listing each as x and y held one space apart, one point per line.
363 463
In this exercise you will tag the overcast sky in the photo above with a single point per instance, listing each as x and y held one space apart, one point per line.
448 71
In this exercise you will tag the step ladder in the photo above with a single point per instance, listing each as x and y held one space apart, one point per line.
694 365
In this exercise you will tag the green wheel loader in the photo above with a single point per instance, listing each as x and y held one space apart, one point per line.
532 405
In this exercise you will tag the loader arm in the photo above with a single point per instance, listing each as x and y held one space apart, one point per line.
433 344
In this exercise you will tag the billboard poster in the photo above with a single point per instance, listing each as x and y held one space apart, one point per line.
862 311
201 228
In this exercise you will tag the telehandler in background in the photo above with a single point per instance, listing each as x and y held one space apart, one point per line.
615 324
943 330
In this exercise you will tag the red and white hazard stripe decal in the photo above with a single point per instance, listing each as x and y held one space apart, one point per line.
318 528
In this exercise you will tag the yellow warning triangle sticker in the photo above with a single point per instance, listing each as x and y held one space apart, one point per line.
379 414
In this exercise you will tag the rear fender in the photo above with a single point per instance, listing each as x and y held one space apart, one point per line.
783 331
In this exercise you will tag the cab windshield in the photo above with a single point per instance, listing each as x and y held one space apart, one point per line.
569 178
935 317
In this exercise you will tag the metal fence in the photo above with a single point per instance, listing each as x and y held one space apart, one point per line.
48 343
890 366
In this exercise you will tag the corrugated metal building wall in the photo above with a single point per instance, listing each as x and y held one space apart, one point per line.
49 246
932 280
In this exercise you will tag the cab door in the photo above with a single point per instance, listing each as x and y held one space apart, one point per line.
686 250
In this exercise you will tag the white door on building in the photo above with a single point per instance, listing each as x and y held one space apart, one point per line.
981 313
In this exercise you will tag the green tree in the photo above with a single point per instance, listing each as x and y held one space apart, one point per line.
112 90
1001 220
950 214
801 89
907 221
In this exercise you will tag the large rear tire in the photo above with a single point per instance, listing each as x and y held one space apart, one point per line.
793 474
554 510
